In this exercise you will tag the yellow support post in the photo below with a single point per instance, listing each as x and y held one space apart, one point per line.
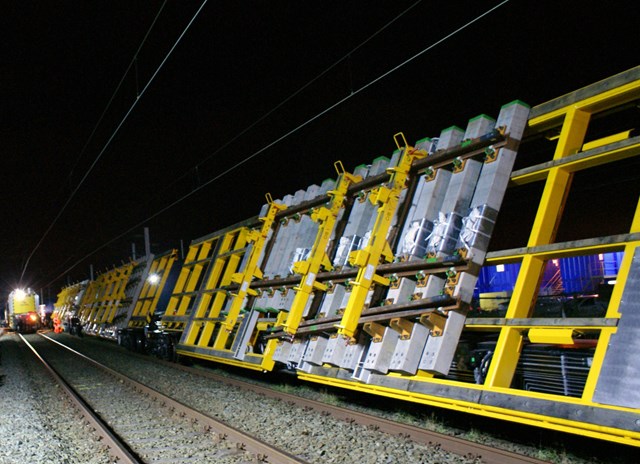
543 232
612 310
251 271
368 258
176 315
151 291
231 267
308 269
223 246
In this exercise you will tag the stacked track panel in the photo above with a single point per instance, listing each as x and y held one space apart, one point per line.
322 278
69 301
121 298
370 281
371 285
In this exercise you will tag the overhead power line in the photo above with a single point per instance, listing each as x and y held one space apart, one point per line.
296 93
284 136
108 142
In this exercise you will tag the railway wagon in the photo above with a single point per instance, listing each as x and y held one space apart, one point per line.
22 310
492 270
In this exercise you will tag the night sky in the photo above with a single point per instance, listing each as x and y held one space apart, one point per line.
61 62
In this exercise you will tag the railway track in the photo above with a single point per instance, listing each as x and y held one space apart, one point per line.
473 451
483 453
139 424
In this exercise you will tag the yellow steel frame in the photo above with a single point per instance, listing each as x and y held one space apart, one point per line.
209 331
112 291
150 294
176 315
91 295
231 248
66 299
308 269
250 272
557 175
538 420
368 258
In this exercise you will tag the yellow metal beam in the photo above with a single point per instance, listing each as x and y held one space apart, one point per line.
251 271
612 309
596 103
308 270
507 352
539 420
556 252
562 336
368 258
578 162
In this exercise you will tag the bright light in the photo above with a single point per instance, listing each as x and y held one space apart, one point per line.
500 268
154 279
19 294
611 282
33 317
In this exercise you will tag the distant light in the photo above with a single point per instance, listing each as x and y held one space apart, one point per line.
611 282
601 257
500 268
154 279
555 262
20 294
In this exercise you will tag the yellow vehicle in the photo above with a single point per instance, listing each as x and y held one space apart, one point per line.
22 310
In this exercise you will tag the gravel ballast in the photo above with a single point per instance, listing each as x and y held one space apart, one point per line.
37 423
308 434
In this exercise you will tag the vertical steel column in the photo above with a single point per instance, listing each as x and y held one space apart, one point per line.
251 271
378 248
612 311
543 232
309 268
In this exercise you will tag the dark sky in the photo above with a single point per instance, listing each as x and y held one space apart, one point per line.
61 62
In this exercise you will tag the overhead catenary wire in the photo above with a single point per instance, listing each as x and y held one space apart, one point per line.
133 62
284 136
110 139
298 91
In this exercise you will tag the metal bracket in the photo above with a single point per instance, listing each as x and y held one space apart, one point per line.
435 322
403 326
375 330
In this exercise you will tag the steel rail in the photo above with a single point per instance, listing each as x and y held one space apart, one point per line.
118 450
487 454
263 451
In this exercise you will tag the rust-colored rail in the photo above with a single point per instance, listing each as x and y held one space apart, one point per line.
487 454
118 450
262 451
